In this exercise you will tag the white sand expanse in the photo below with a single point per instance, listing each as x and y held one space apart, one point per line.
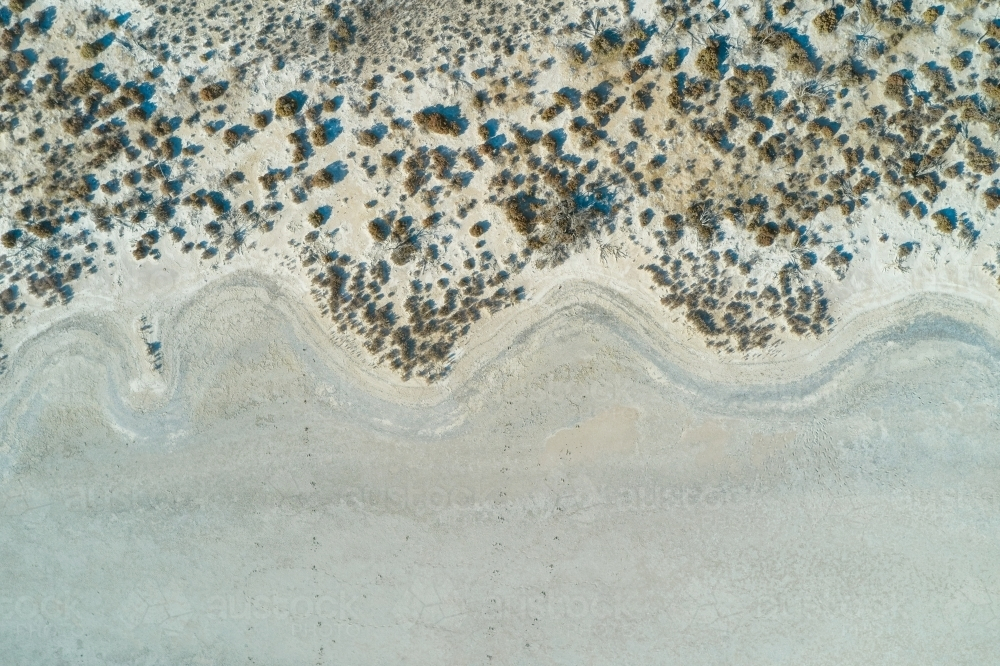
498 386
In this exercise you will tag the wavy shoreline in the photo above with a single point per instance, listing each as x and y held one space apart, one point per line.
559 307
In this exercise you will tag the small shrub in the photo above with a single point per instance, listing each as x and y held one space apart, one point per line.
378 231
551 112
368 138
260 120
943 222
607 44
318 136
707 61
434 121
798 57
826 21
895 88
477 229
316 218
75 125
141 250
980 162
231 138
992 89
992 197
212 92
91 50
286 106
323 178
671 61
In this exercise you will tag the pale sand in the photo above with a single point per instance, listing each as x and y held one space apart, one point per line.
269 498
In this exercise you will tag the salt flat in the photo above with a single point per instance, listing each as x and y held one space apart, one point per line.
576 499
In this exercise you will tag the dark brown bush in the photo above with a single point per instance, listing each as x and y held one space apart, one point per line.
286 106
368 138
378 231
992 197
896 87
318 136
323 178
212 92
433 121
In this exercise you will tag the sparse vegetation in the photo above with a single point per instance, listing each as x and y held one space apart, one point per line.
728 167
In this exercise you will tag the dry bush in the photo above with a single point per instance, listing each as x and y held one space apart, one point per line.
707 61
992 197
212 92
378 231
434 121
316 218
368 138
231 138
477 229
323 179
260 120
607 44
593 99
671 61
286 106
75 125
162 127
562 99
318 136
943 222
896 87
91 50
992 89
980 162
826 21
513 208
551 112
